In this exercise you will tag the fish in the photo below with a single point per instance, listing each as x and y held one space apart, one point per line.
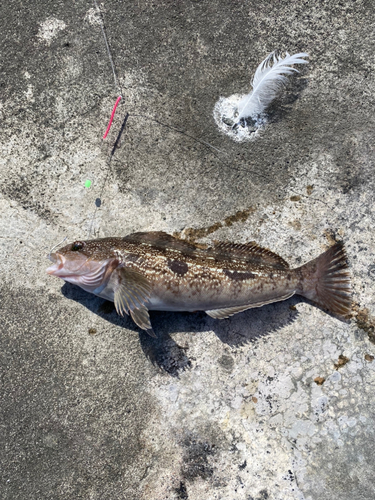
147 271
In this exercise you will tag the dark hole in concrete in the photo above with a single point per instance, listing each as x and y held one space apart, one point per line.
226 362
263 495
182 492
196 459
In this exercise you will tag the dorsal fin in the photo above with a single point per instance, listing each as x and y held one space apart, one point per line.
246 252
161 241
249 252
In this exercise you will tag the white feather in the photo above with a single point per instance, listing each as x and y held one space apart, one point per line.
268 80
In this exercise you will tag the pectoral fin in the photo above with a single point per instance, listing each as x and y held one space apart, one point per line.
132 294
142 319
230 311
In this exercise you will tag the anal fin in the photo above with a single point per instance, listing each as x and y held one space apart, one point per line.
230 311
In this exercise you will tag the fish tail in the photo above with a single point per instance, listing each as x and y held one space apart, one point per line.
326 281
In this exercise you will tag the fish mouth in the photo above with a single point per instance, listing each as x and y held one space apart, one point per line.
60 266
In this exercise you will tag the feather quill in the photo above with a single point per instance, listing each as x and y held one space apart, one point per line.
268 80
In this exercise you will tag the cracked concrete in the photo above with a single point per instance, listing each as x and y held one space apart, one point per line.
235 409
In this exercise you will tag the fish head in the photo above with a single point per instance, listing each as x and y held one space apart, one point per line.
87 264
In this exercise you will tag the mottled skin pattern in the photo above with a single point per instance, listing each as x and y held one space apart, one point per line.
188 278
186 282
158 271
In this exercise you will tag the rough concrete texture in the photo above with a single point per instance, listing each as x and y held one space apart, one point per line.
91 407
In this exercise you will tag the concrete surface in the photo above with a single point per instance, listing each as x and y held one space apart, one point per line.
90 407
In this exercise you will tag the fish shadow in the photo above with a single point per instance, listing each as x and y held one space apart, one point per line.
164 351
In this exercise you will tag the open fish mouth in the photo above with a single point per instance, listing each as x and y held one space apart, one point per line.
58 264
62 267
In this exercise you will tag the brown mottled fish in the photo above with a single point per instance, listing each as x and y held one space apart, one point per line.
156 271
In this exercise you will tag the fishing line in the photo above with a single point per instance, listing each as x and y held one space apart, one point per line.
207 145
115 77
115 146
171 127
180 131
102 27
116 80
118 87
62 241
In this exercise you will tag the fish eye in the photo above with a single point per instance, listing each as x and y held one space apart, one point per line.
77 245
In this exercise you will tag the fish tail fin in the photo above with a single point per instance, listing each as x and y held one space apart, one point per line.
326 281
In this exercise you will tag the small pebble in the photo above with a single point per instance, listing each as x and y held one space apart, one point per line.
319 380
341 362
